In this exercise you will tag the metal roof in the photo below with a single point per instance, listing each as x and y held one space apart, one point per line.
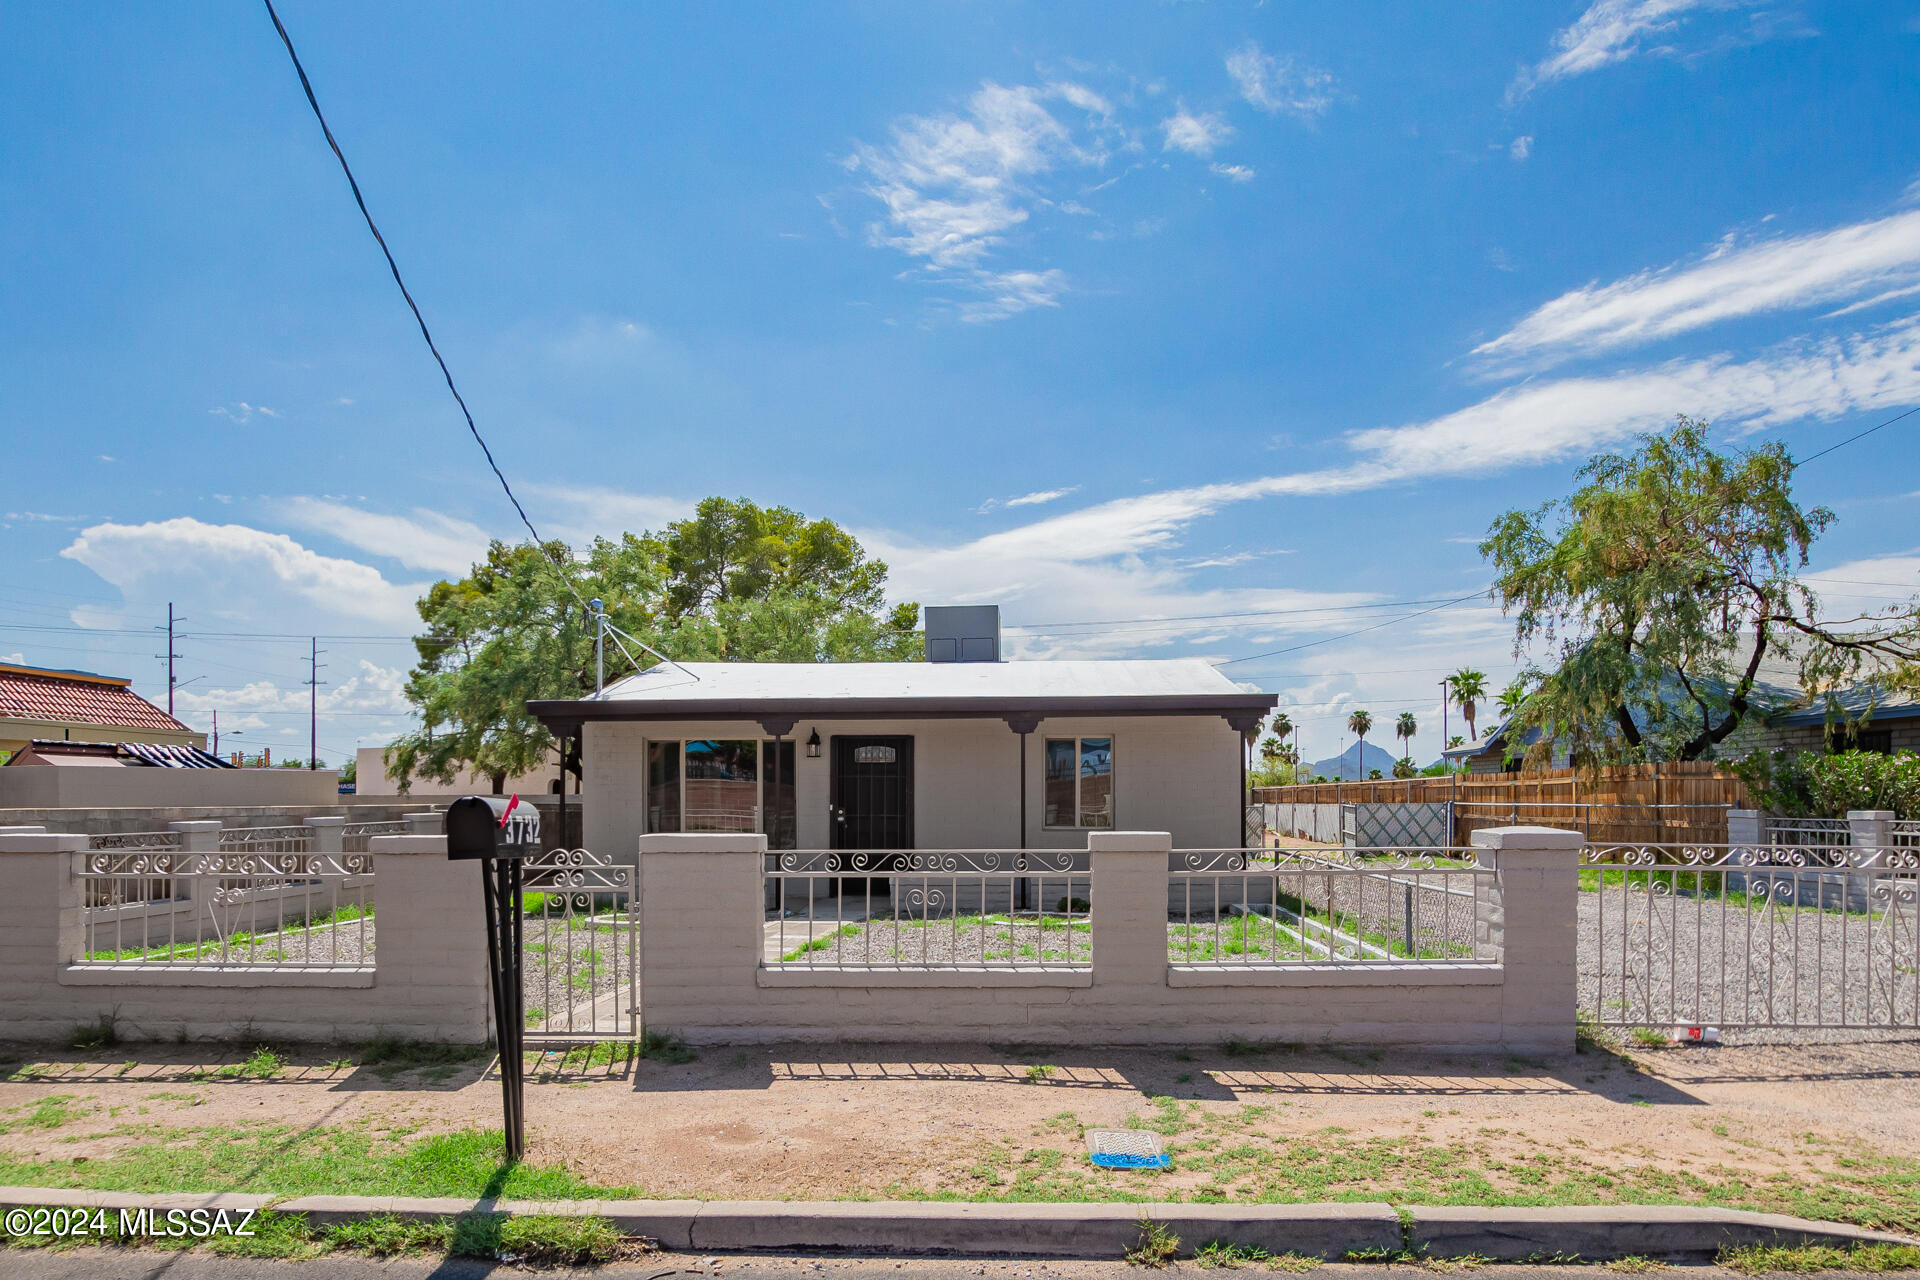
850 690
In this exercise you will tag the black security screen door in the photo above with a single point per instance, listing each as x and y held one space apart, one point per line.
872 793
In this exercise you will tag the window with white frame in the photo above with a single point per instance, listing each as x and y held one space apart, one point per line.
1079 790
718 784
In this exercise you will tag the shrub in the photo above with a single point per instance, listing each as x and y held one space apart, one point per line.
1808 784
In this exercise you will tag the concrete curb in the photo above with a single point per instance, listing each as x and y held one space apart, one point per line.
1074 1230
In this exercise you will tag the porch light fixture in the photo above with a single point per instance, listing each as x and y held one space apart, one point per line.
813 745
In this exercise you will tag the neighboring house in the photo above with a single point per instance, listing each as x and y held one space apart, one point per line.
964 751
1784 714
79 706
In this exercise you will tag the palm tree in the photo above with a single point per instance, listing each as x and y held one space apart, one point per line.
1359 722
1512 697
1281 725
1404 728
1469 686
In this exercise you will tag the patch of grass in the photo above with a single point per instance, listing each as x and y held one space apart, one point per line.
389 1057
1760 1259
102 1033
278 1159
1633 1265
664 1046
824 941
1215 1254
1156 1247
601 1055
1648 1038
263 1063
50 1112
1038 1073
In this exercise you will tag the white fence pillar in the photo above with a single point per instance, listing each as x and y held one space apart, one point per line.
202 835
701 916
1534 924
1746 829
1872 832
1129 906
430 823
325 835
430 967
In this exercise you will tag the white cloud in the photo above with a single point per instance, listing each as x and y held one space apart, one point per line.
1529 424
241 411
424 540
955 184
1276 84
1611 31
1196 133
1011 292
1521 147
1880 257
1233 172
238 558
1034 499
373 689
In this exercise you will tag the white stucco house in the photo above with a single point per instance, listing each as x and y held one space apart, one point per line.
963 751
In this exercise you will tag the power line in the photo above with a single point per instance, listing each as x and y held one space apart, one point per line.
1861 435
306 85
1274 653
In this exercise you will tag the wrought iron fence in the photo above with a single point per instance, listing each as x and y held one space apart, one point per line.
1809 833
1284 907
232 909
1906 834
146 889
1779 936
265 839
579 945
355 836
929 909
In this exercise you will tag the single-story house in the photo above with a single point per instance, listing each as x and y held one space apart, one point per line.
963 751
79 706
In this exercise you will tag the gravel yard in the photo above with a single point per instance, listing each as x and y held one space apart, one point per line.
1662 959
1025 941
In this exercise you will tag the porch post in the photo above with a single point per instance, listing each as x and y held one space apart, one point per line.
1023 724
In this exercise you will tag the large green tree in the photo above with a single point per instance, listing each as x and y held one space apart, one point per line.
1664 583
734 582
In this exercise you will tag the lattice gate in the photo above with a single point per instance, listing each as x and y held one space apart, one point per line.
1768 936
579 950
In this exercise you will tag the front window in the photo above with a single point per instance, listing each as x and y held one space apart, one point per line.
717 784
1079 782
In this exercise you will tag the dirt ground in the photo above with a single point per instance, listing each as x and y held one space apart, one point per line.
879 1121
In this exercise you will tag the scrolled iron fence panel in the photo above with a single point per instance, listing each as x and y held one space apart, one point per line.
1809 833
929 909
1284 908
151 889
355 836
266 839
1905 833
1740 936
235 909
580 952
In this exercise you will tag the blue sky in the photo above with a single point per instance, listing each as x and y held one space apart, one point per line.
1128 315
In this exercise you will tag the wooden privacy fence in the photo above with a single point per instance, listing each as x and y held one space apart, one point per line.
1623 804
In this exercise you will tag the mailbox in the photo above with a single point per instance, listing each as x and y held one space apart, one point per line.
492 827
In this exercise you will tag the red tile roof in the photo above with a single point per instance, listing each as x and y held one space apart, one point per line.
32 693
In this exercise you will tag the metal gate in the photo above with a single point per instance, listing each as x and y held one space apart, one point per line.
579 948
1800 936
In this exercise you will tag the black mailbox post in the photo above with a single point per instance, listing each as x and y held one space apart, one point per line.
500 833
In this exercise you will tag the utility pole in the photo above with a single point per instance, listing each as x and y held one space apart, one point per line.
171 655
313 703
216 734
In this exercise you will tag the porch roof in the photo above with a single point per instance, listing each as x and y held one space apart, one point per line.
780 694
